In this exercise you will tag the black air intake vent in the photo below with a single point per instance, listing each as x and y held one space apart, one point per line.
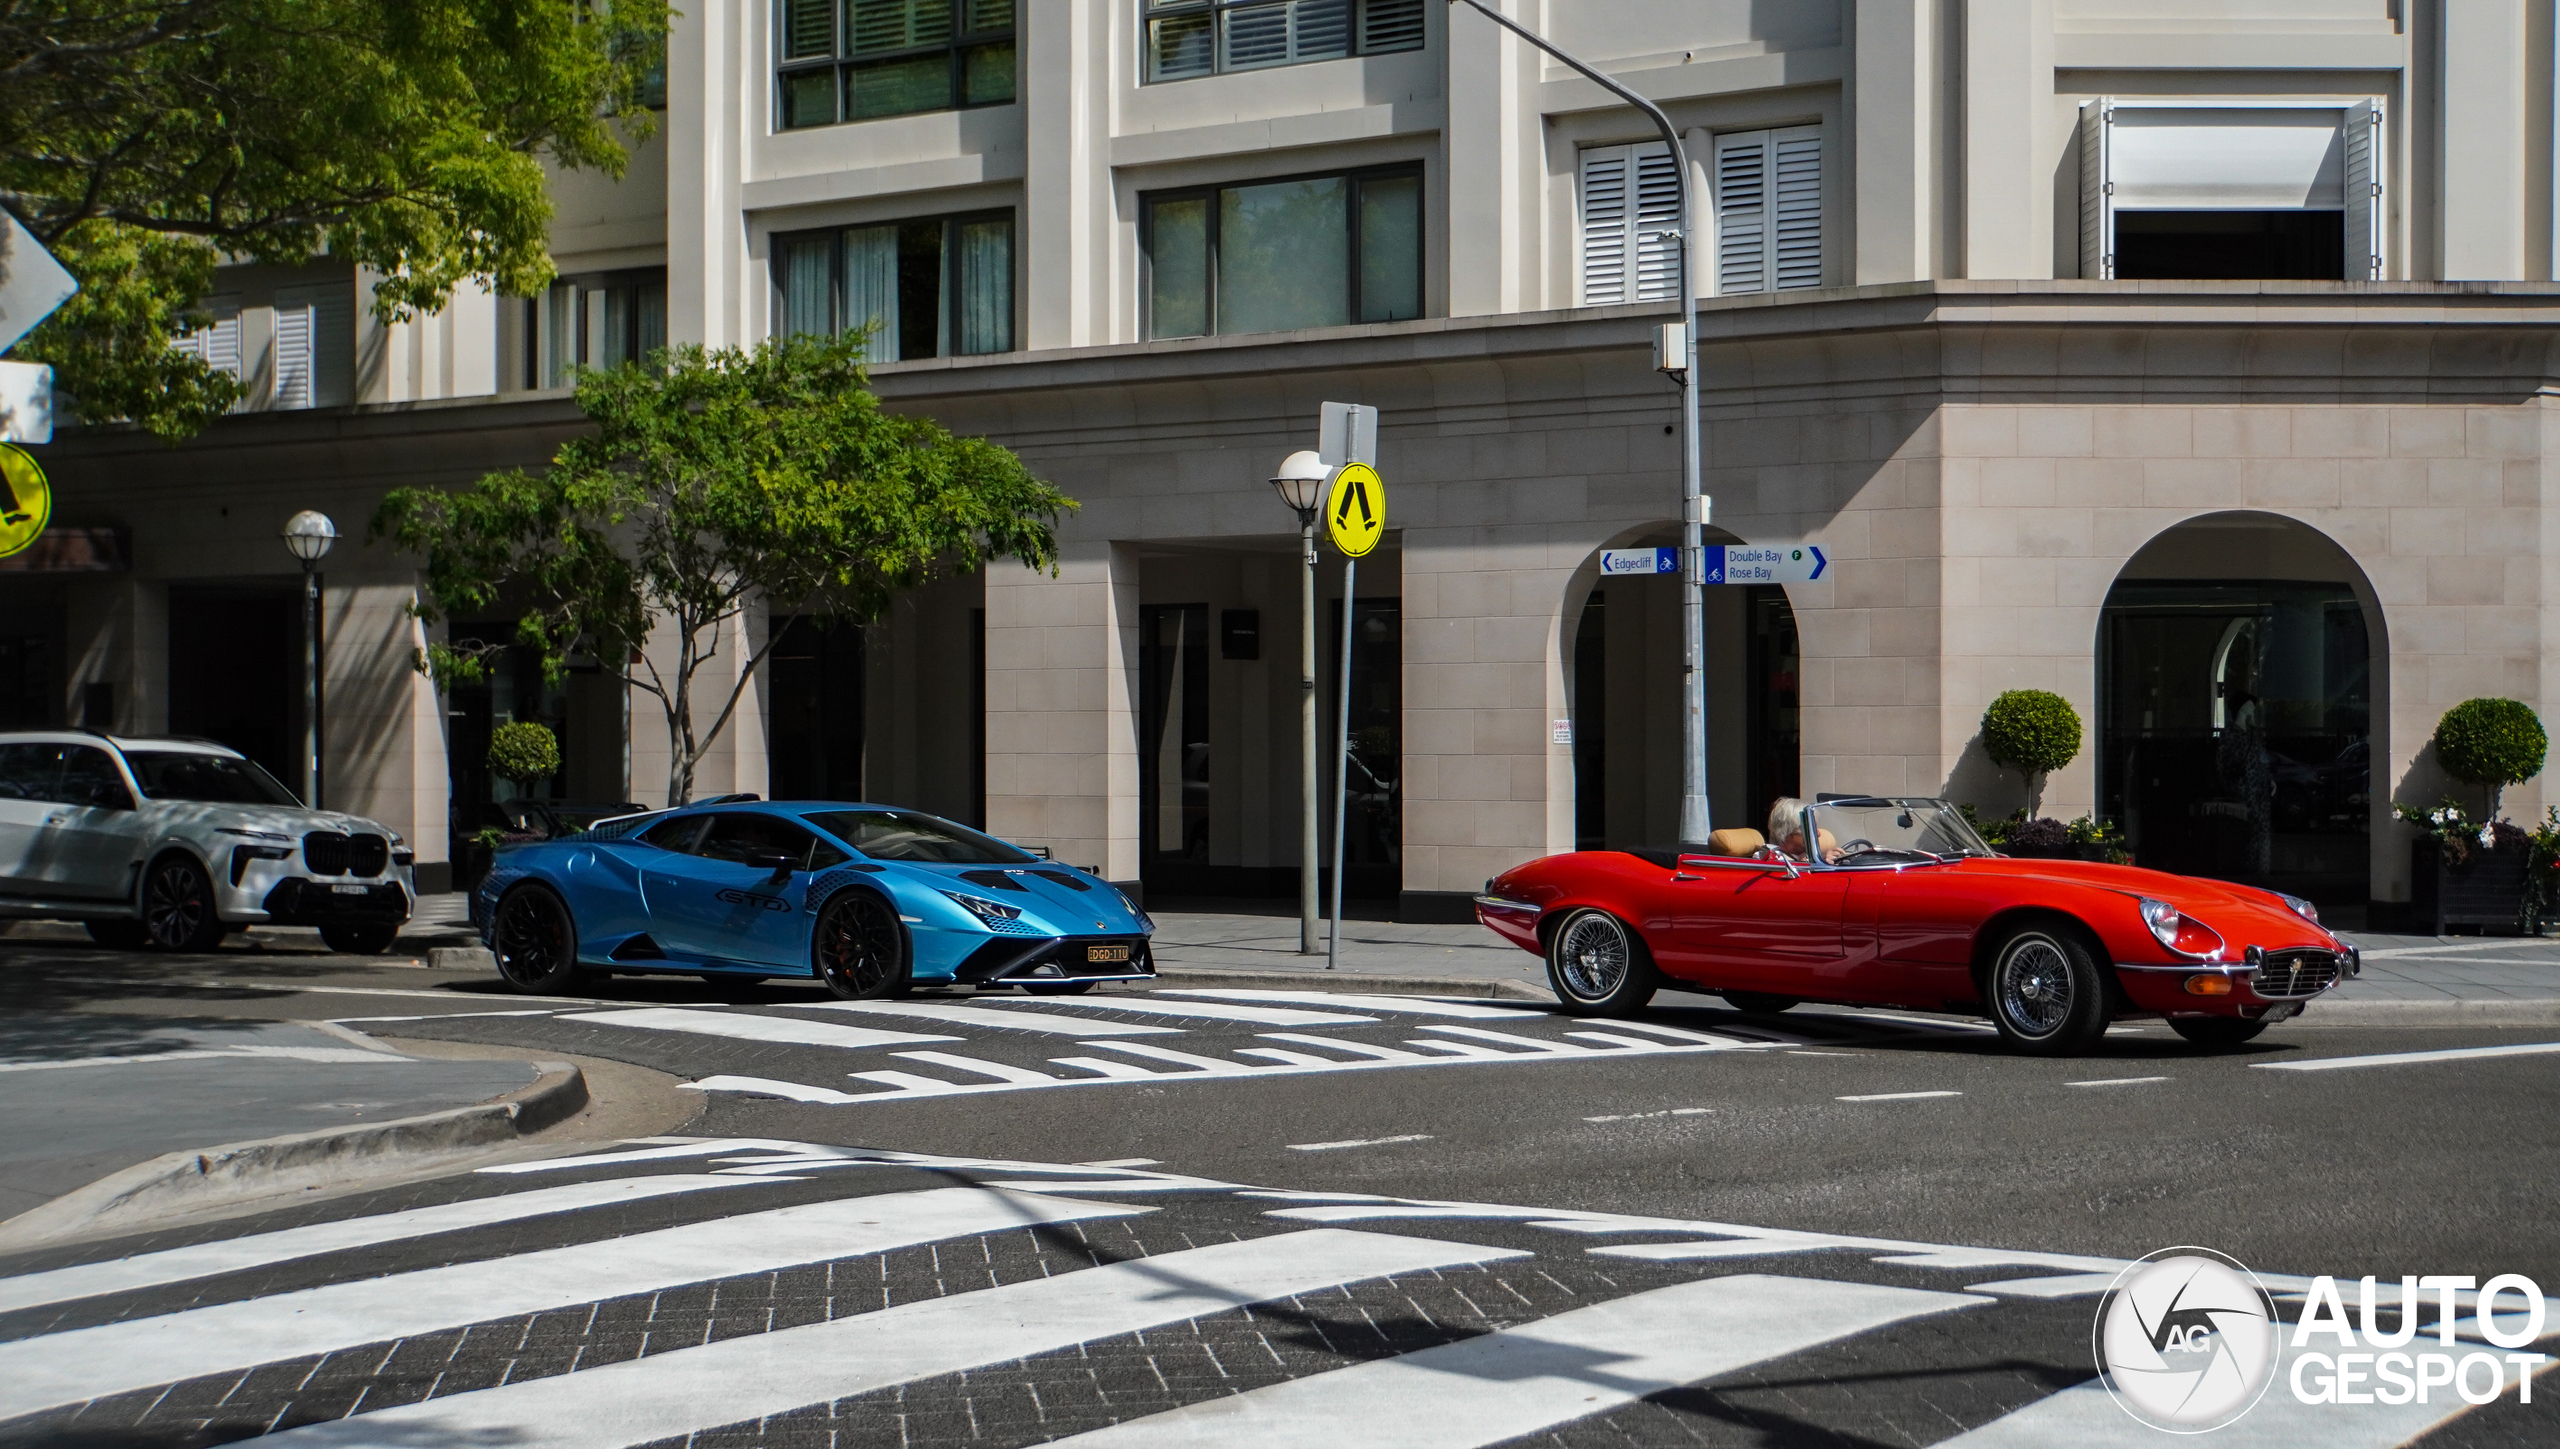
994 880
1068 879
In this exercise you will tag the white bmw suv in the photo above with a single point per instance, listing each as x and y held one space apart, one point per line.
174 843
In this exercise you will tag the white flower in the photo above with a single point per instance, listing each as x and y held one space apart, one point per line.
2488 837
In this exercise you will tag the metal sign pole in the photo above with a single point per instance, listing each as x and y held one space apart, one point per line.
1342 761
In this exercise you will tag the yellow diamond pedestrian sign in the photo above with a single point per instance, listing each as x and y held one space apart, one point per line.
1355 514
25 503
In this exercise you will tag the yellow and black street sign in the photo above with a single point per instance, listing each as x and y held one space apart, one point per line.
1355 516
26 500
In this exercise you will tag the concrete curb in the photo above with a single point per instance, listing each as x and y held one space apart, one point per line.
185 1183
2475 1011
1214 976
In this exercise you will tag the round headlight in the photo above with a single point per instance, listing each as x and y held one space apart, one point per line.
2300 907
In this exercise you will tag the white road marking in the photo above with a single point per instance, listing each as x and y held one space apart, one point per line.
2397 1059
671 1394
959 1015
1606 1039
86 1363
2449 948
193 983
246 1052
1802 1053
1352 1001
1116 1071
259 1250
1521 1381
1520 1043
1203 1010
1123 1162
1643 1116
2115 1082
1359 1142
1895 1096
908 1084
1679 1033
997 1070
1289 1058
1208 1066
2086 1416
747 1026
1356 1048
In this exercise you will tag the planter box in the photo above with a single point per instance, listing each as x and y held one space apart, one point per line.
2486 891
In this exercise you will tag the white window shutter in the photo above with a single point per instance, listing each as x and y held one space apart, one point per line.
218 341
1796 217
1606 225
293 352
1743 212
1657 214
2362 138
2097 194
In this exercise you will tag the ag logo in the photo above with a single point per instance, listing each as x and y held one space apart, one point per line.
2186 1340
26 500
1355 516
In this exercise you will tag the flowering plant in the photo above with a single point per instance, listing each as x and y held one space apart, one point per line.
2458 835
2542 872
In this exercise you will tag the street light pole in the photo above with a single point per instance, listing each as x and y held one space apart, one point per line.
1695 823
1300 484
307 535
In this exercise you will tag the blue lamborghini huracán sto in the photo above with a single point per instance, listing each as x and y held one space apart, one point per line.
869 899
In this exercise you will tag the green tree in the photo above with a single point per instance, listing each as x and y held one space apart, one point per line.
143 140
523 751
2492 743
2034 732
728 479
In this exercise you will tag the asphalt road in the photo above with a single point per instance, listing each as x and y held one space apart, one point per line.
1311 1220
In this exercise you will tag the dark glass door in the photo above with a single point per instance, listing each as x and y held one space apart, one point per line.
235 672
1775 736
1373 818
1173 754
814 678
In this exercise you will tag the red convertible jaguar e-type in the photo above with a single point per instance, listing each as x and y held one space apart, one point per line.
1900 904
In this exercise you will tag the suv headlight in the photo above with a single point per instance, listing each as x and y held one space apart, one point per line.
1136 910
987 912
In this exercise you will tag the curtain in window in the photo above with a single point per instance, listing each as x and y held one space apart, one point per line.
986 286
559 336
653 318
1178 267
808 289
1391 249
1284 258
871 289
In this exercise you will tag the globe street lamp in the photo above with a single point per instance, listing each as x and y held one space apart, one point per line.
1300 484
307 536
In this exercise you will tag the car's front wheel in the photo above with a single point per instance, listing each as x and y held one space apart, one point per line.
1598 965
859 950
177 907
2047 995
536 941
2216 1031
355 940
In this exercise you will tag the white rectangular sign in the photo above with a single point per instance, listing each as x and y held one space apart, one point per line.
26 402
1735 563
1617 561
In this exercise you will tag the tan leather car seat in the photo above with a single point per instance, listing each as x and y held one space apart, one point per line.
1734 841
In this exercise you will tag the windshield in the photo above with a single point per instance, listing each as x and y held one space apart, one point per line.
216 779
910 836
1857 833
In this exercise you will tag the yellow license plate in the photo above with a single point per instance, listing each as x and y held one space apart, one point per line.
1106 953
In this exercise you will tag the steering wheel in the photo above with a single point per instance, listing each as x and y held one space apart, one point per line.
1857 846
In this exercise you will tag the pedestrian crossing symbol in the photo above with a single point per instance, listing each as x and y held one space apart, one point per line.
1355 512
26 500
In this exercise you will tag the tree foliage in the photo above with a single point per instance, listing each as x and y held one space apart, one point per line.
734 478
142 140
2492 743
2032 731
523 751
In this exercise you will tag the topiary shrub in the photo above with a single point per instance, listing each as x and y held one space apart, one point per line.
2034 732
521 752
2492 743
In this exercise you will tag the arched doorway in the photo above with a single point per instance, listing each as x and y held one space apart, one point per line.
1623 646
2236 669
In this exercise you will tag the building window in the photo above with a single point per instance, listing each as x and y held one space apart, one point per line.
1764 197
1630 208
1187 38
936 287
595 321
2233 191
315 343
218 341
1274 256
854 60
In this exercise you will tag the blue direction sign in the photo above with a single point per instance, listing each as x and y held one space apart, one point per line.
1735 563
1639 561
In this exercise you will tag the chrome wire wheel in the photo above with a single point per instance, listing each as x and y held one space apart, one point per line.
177 907
1592 955
536 943
2035 986
860 950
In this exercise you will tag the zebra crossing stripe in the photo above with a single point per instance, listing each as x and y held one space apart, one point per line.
983 1067
259 1250
1202 1010
959 1015
748 1026
2086 1416
1352 1001
754 1376
63 1369
1520 1381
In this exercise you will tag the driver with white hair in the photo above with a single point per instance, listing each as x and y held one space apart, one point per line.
1786 828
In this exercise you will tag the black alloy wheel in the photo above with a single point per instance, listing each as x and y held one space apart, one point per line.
1760 1003
2216 1031
1598 966
122 933
177 907
2046 993
370 938
536 941
859 950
